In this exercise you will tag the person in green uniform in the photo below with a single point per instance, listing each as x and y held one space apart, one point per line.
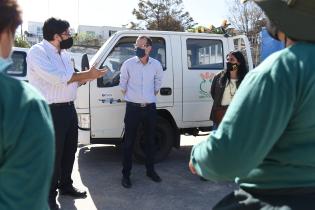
26 130
266 140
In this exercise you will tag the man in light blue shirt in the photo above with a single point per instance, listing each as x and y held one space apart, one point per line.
140 81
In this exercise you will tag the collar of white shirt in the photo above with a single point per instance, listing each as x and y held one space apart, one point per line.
139 61
50 46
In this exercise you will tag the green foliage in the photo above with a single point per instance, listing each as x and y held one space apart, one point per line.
87 39
166 15
20 41
211 29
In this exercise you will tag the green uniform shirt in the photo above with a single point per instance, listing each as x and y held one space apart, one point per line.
267 137
26 147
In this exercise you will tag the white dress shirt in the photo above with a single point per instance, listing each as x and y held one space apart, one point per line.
141 81
49 71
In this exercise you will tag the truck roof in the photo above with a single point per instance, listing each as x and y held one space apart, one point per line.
151 32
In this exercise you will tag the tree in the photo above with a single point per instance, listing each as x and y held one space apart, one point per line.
166 15
20 41
248 19
87 40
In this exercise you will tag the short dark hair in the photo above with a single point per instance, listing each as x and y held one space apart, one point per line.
149 40
54 26
10 15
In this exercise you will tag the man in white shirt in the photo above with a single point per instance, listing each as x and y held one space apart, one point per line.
50 70
140 81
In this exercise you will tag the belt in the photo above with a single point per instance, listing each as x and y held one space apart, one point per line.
70 103
140 104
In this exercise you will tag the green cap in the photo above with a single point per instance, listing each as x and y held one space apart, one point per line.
296 18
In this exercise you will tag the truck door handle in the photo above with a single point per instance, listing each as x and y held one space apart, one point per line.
166 91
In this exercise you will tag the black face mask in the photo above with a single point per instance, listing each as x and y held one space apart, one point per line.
66 44
231 66
140 52
272 30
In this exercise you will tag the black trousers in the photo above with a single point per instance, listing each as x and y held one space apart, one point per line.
135 115
66 138
273 199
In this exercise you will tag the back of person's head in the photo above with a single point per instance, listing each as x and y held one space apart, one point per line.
54 26
10 15
295 18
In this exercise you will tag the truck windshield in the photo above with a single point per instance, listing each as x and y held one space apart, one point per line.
101 50
123 50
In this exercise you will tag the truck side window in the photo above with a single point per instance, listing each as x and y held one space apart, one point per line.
18 68
123 50
204 54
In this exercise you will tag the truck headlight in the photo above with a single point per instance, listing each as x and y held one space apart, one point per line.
84 121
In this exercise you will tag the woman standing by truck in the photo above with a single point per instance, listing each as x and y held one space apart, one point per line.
225 84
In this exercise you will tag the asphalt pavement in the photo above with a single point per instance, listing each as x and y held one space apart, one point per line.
98 170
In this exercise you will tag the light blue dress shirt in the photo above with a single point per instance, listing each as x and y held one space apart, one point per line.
141 81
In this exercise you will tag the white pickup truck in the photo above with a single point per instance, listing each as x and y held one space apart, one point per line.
189 60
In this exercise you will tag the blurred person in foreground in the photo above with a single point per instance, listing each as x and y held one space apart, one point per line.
26 152
266 140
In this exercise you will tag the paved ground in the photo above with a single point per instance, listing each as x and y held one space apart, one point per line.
98 169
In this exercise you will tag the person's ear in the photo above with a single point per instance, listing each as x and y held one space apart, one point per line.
149 49
281 36
4 35
57 37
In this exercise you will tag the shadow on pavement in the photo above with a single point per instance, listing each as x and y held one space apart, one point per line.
100 171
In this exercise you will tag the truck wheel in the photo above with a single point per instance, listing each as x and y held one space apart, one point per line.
164 136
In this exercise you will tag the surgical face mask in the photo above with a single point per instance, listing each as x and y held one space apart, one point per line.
140 52
5 63
231 66
67 43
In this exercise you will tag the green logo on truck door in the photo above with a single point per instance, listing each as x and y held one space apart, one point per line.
205 84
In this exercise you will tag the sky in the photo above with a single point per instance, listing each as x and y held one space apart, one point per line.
112 12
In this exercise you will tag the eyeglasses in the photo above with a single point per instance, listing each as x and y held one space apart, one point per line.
67 33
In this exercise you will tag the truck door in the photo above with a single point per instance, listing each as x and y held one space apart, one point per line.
202 58
107 106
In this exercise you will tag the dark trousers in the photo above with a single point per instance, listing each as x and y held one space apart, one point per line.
275 199
66 138
135 115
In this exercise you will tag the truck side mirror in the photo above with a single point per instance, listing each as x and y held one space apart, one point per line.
85 62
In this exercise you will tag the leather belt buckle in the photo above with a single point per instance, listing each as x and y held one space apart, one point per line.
143 105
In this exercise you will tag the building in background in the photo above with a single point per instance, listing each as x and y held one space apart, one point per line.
102 32
34 33
87 40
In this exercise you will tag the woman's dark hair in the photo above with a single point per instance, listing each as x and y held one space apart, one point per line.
10 15
54 26
242 69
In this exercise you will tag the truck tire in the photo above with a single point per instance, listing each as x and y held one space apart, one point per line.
164 137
